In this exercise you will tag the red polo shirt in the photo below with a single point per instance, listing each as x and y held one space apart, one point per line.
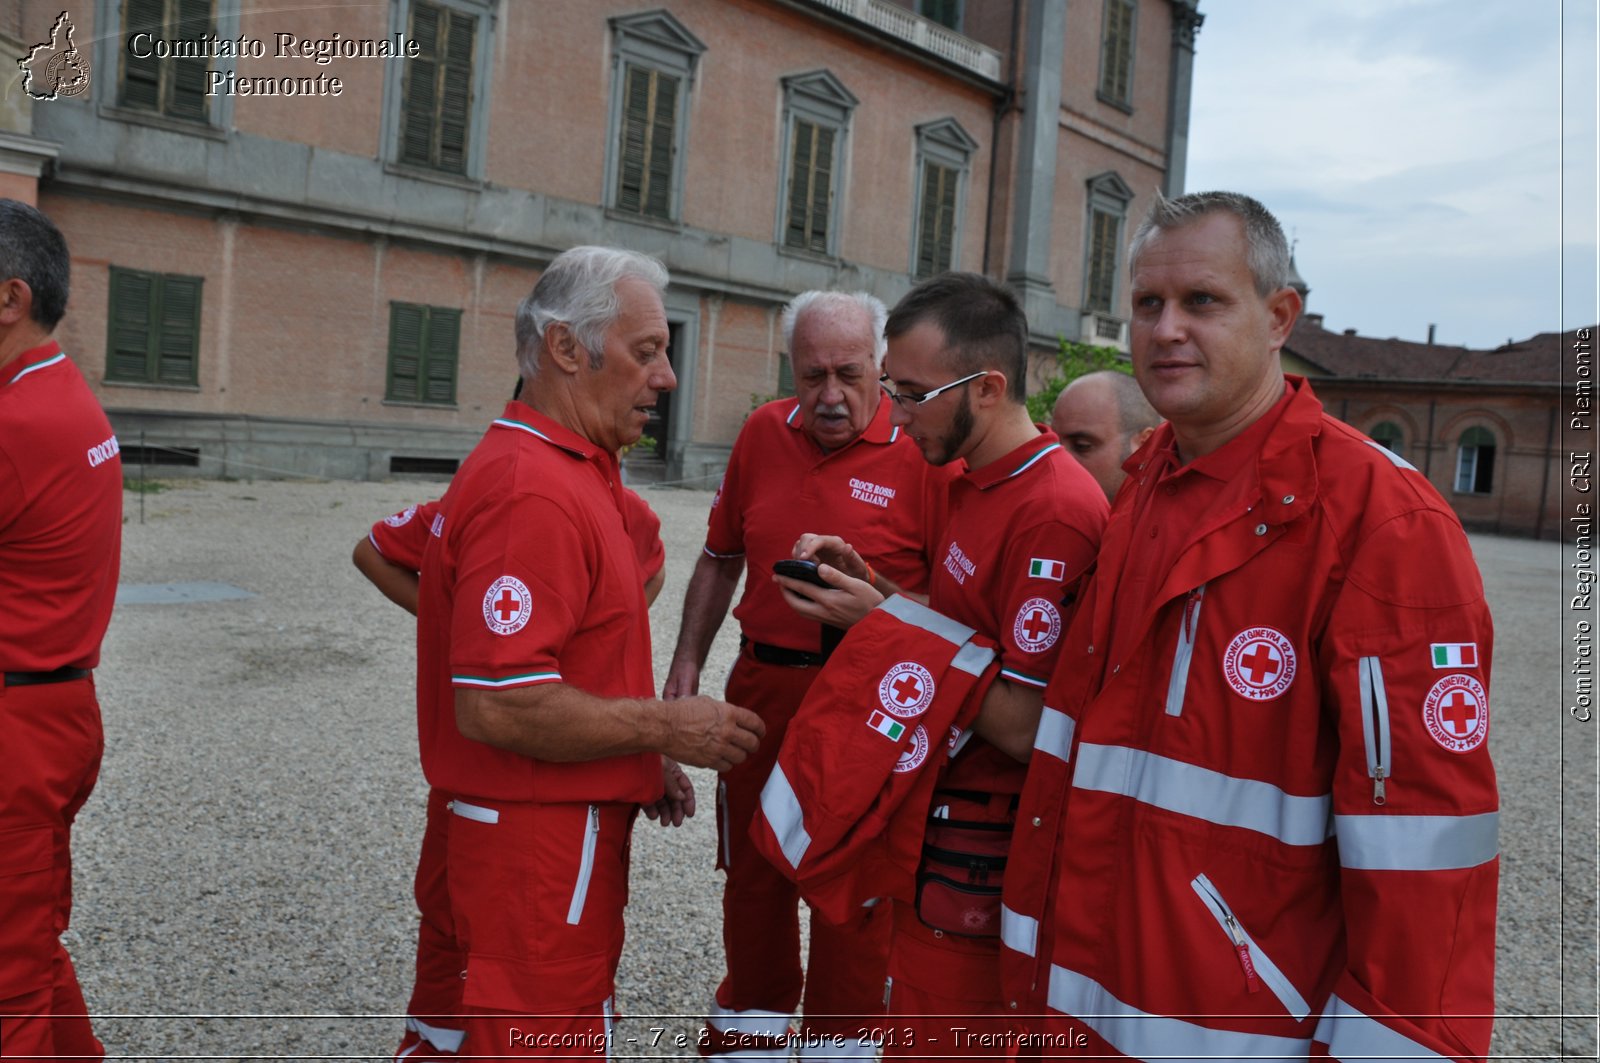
60 515
402 537
1021 530
530 577
875 492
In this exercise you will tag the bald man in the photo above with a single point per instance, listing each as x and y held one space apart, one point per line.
1102 418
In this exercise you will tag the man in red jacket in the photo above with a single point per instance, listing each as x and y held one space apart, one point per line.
1260 819
60 537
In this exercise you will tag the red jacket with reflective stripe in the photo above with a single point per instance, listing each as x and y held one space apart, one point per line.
843 812
1278 813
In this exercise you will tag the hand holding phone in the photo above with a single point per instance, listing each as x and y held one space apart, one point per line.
805 571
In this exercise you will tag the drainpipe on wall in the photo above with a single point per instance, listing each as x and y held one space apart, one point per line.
1549 457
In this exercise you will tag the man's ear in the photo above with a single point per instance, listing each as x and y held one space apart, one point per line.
16 301
1284 307
562 346
1136 440
991 387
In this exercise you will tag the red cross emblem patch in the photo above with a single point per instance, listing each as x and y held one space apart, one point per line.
1037 626
507 605
402 518
1259 663
915 753
906 690
1456 713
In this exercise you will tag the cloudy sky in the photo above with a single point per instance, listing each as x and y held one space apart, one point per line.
1415 149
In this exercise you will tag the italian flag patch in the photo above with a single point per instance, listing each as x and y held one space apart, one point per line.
1044 568
886 726
1455 655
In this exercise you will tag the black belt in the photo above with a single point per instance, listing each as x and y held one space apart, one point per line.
781 655
33 679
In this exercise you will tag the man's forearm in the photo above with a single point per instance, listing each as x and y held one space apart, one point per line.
558 722
1009 718
705 603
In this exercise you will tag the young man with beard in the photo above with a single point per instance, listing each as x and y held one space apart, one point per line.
1024 523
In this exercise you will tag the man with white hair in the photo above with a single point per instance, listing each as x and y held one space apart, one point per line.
828 456
1102 418
534 685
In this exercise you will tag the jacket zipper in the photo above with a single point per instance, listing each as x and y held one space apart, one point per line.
1256 972
1375 725
1185 652
580 892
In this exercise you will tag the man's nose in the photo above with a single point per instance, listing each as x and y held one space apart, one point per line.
664 379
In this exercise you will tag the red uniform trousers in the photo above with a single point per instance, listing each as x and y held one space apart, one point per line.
944 997
537 892
844 979
53 745
433 1023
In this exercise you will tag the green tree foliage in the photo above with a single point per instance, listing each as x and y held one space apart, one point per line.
1072 361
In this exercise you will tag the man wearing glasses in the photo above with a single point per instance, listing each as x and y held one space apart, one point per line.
1024 523
829 455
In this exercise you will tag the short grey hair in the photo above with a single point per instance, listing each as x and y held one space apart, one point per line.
579 289
1266 251
829 301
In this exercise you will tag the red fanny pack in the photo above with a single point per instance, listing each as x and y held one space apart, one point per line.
963 866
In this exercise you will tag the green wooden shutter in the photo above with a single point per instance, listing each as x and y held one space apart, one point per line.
141 78
1102 260
635 133
937 226
406 325
664 121
799 178
179 345
444 339
821 189
1116 59
455 92
419 106
131 336
187 98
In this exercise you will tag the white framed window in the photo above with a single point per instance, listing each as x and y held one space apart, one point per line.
1108 199
1116 53
816 126
1475 462
1390 437
436 105
653 63
943 161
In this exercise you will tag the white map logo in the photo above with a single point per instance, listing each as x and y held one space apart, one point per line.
55 68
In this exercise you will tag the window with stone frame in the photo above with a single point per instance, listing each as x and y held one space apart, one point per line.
655 58
424 346
1116 53
1475 462
1108 198
816 116
437 88
153 328
944 157
173 87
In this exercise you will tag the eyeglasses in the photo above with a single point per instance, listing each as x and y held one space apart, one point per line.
917 398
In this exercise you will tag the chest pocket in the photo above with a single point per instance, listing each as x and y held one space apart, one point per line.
962 872
1183 655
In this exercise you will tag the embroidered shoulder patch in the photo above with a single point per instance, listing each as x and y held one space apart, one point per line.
1456 713
507 606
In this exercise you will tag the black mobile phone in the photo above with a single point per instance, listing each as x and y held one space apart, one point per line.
805 571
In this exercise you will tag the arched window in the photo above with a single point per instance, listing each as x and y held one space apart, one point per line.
1388 435
1475 462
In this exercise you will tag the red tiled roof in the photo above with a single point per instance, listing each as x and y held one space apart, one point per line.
1532 361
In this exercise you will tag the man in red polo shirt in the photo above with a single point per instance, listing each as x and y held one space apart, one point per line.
60 542
1024 523
1261 818
827 455
390 556
534 685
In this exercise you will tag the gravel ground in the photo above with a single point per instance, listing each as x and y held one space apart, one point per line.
243 869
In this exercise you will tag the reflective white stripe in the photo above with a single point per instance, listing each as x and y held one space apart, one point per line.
1188 627
918 615
972 658
1391 455
1204 794
408 1051
610 1013
440 1037
474 812
52 360
1374 717
1349 1034
1019 932
1266 970
1054 735
1417 843
580 890
752 1021
782 809
1145 1036
527 679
